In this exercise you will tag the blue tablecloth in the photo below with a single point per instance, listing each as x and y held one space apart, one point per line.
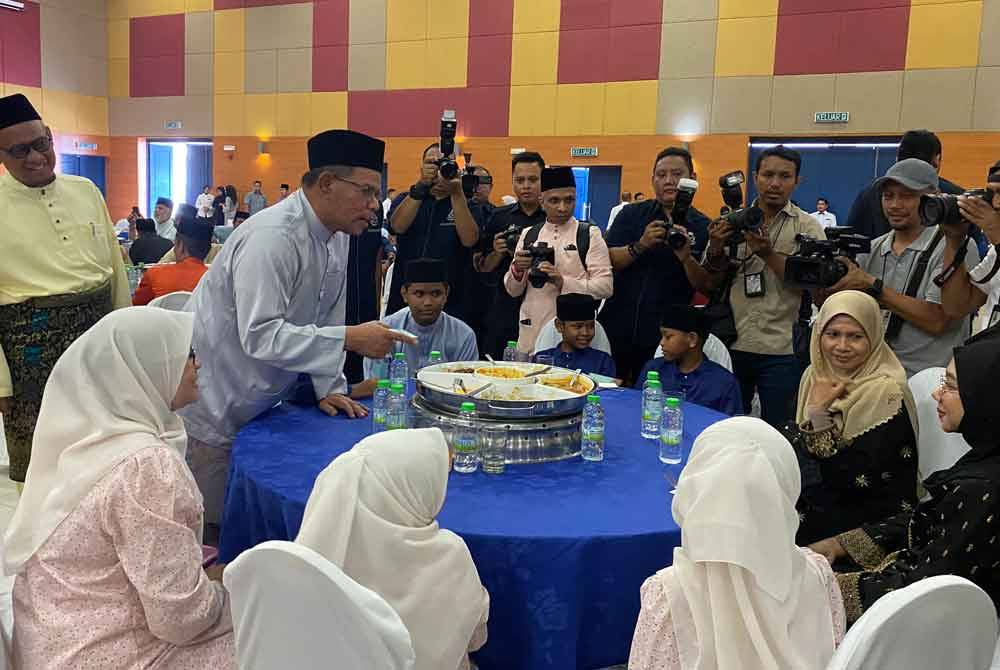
561 547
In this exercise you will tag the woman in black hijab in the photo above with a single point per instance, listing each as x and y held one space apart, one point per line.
956 531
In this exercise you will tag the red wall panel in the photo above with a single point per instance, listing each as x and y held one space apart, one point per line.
21 46
330 68
331 22
156 56
491 17
482 111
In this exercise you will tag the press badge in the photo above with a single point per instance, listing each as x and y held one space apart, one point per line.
753 285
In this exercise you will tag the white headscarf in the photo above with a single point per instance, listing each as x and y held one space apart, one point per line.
744 595
372 513
107 398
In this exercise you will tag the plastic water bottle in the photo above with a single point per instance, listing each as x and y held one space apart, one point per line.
592 430
672 432
398 370
652 408
380 406
510 353
395 417
652 375
435 358
466 442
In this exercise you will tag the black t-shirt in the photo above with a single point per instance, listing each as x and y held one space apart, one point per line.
866 215
656 279
433 234
149 248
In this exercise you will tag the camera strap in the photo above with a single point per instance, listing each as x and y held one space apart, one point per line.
895 324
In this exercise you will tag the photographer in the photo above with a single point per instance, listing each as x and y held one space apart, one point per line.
494 256
967 291
484 187
551 258
434 221
650 273
900 270
764 308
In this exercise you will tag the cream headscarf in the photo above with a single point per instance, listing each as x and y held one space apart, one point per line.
744 595
877 390
372 513
107 398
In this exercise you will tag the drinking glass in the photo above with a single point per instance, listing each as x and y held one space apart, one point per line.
493 448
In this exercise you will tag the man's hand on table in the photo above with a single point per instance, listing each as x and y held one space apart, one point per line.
335 403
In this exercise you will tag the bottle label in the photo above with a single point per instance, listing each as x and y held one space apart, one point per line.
594 436
465 447
672 440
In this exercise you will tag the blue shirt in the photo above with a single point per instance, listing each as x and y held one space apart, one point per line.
709 384
591 361
448 335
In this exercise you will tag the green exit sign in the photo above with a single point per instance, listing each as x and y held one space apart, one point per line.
583 152
833 117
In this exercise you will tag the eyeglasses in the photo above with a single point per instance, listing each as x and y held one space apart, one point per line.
21 151
947 387
367 192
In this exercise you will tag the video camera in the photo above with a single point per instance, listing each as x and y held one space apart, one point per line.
541 252
447 166
470 180
820 263
941 209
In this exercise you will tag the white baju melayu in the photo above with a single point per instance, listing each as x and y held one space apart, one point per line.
272 305
167 229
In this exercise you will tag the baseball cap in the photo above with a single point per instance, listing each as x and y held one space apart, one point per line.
912 173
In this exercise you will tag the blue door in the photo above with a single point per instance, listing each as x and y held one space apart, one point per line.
605 193
91 167
199 171
160 164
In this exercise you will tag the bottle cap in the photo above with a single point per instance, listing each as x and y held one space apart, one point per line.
396 388
435 354
652 374
400 356
594 399
468 407
654 384
383 383
673 402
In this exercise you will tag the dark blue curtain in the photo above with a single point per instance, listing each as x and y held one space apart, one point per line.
199 171
605 191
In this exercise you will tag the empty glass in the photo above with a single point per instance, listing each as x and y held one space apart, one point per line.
493 448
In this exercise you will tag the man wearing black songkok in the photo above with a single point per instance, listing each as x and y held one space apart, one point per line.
61 268
272 305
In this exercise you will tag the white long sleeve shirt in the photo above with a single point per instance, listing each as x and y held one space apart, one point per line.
271 306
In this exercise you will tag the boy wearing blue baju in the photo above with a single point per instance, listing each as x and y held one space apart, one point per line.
575 321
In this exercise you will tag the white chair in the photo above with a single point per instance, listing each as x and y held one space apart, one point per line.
175 301
292 608
715 351
939 622
549 337
936 449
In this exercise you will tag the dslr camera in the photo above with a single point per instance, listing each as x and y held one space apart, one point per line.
731 185
740 218
511 236
686 188
541 252
941 209
447 167
821 263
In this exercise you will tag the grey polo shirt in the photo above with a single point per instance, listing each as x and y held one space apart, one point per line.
915 348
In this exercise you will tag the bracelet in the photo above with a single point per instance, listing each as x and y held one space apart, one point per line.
419 191
632 251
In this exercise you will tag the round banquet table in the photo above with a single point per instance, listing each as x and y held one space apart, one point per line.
561 547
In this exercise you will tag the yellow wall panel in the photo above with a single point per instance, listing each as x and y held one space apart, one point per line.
228 114
329 110
447 62
944 35
260 115
532 110
118 83
294 114
154 7
579 109
230 69
405 20
117 9
60 109
447 18
198 5
731 9
406 64
630 107
118 39
33 94
534 58
92 115
230 30
533 16
745 47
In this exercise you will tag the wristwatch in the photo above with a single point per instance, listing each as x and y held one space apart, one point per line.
419 191
875 290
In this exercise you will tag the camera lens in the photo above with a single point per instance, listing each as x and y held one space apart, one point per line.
448 169
936 210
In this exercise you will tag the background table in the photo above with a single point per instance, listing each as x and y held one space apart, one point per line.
562 547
